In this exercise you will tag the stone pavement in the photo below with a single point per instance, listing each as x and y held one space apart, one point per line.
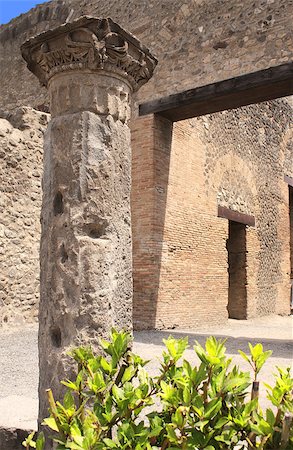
19 363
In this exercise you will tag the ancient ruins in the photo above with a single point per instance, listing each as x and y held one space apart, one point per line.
210 197
150 217
91 67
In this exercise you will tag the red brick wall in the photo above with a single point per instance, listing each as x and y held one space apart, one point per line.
180 176
174 274
151 141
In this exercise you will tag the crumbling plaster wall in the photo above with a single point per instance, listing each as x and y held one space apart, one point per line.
21 153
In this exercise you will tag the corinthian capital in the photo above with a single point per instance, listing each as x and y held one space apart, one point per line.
89 43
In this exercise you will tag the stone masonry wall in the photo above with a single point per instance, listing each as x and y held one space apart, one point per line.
196 41
21 150
254 136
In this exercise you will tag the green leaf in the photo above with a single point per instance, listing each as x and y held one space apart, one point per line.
262 427
215 348
117 392
187 368
169 392
109 443
250 406
238 382
171 433
40 442
211 346
262 359
128 374
68 400
177 418
186 395
70 384
78 439
106 346
176 347
29 441
244 356
105 365
255 351
51 423
270 417
71 446
212 408
198 375
75 431
221 422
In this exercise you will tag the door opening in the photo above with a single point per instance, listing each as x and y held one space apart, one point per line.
237 293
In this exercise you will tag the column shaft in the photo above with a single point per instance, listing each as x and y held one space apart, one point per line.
90 67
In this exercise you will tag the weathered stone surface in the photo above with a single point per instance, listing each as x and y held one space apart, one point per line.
196 41
86 277
97 45
21 151
12 438
91 66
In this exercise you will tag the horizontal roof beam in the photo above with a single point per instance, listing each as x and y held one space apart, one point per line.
255 87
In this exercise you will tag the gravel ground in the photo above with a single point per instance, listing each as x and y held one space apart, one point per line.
19 362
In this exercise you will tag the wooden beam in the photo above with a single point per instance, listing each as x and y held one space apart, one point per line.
288 180
235 216
244 90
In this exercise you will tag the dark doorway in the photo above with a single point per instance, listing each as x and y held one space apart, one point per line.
237 295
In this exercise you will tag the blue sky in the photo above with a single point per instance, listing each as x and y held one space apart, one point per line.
12 8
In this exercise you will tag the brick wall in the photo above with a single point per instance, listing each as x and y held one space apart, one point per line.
233 159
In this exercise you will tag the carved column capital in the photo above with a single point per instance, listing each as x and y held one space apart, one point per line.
92 44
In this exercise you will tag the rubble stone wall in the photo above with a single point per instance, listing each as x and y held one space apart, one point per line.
196 41
21 154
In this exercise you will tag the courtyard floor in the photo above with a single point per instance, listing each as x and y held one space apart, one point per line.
19 360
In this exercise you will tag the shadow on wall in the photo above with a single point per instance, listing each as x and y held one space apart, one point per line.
151 144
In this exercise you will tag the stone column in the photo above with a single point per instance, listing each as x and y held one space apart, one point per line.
90 66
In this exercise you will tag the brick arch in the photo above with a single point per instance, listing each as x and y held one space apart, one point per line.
233 184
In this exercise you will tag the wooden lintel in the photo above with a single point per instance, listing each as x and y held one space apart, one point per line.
255 87
288 180
235 216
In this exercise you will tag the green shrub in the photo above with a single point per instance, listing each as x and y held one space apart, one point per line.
206 407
